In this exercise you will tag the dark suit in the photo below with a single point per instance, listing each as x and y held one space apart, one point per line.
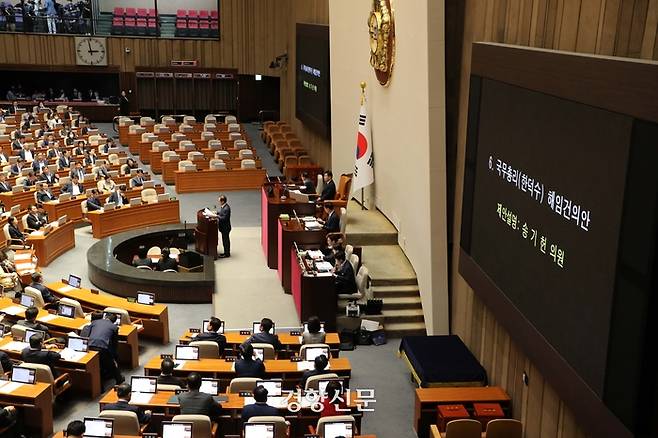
44 357
5 187
47 295
35 222
30 182
258 410
102 172
264 338
329 191
22 154
93 204
309 187
307 374
68 188
332 224
137 181
114 197
16 170
34 326
167 263
198 403
64 162
80 173
45 196
15 233
103 337
345 282
49 178
122 405
224 225
53 153
5 362
215 337
38 166
17 145
171 380
90 161
250 368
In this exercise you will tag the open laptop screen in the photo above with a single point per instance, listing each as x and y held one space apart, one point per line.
98 427
338 429
74 281
146 298
256 328
313 352
23 375
273 387
259 430
210 386
143 384
176 430
66 310
27 300
77 344
186 352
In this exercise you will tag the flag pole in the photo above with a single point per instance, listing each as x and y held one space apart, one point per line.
363 100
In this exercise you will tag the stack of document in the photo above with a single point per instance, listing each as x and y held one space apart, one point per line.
308 365
15 346
313 225
140 398
72 355
323 266
315 254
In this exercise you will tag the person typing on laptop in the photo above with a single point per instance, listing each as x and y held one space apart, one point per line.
265 336
194 402
35 354
211 333
124 392
30 321
260 408
247 366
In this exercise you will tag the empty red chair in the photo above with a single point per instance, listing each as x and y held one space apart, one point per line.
204 28
119 11
214 23
181 27
130 12
151 12
181 13
203 15
192 13
130 22
141 21
214 15
117 25
152 22
193 27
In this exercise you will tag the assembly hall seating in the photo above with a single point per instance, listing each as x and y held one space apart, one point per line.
293 158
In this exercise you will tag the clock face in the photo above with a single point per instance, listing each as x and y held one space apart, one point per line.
91 51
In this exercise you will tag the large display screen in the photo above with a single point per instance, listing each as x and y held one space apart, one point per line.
312 76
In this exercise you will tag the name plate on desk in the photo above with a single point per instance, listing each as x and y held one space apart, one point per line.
131 299
245 394
309 435
245 332
166 356
230 358
295 358
195 330
295 333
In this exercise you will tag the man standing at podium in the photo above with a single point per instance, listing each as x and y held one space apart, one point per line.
224 225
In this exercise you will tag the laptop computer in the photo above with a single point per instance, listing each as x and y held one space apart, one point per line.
259 430
135 201
27 300
256 328
77 344
118 320
163 197
312 352
31 332
21 374
204 326
148 184
176 430
74 281
274 387
143 384
259 353
64 197
110 206
98 427
339 429
305 328
147 298
66 310
62 220
322 385
186 352
211 387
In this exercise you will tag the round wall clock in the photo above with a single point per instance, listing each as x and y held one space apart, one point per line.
381 27
90 51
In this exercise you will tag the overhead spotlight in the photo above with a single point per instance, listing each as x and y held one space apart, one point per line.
279 61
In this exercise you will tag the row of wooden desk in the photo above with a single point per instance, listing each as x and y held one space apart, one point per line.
49 246
36 402
218 180
128 217
157 165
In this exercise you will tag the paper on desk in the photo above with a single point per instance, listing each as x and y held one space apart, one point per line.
315 254
12 310
140 398
22 256
72 355
66 288
324 274
15 346
37 233
10 387
179 363
307 366
313 225
323 266
46 318
24 266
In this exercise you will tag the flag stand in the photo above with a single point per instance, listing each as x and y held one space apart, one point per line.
363 99
363 203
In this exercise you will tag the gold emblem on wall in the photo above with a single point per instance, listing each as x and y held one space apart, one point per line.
382 40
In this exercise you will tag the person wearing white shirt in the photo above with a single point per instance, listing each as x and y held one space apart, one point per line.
74 187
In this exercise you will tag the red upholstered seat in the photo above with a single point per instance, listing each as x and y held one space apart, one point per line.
181 13
130 12
119 11
192 13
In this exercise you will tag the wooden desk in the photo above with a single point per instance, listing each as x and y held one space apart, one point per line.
60 326
85 373
130 217
289 232
218 180
37 402
48 247
155 318
312 294
295 171
427 399
271 208
24 261
223 370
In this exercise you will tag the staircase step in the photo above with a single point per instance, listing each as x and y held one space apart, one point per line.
393 281
394 315
390 291
400 329
390 303
369 239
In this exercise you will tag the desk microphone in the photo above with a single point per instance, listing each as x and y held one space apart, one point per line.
295 213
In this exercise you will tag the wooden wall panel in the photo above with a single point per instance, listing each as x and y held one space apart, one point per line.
605 27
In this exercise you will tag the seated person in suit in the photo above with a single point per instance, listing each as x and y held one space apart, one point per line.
5 362
132 164
74 187
109 143
78 171
35 220
211 334
17 168
247 366
264 336
333 404
48 177
319 366
93 203
332 224
64 161
39 163
103 171
30 321
118 196
344 275
14 232
194 402
260 408
309 185
141 258
167 377
79 149
17 144
138 180
75 429
123 404
35 354
329 190
313 335
31 180
37 283
334 245
106 184
44 195
90 158
53 151
167 262
4 184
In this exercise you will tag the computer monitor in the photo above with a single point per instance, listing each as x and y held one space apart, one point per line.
322 385
204 326
66 310
31 332
321 327
118 320
259 353
312 352
176 430
23 375
210 386
339 429
274 387
135 201
259 430
98 427
77 344
256 328
27 300
110 206
146 298
144 384
186 352
74 281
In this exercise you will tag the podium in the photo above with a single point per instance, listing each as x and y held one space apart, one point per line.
205 234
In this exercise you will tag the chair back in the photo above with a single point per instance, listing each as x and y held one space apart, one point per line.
146 121
464 428
313 382
113 159
246 153
79 313
235 136
18 331
207 135
43 372
247 164
150 196
242 384
362 282
5 231
303 348
280 424
354 261
344 186
170 156
224 155
159 146
190 120
305 160
210 118
504 428
185 165
217 164
233 127
125 422
36 294
167 120
291 160
214 144
154 252
177 136
342 220
320 184
207 349
201 425
125 316
335 419
195 156
230 120
240 144
268 350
